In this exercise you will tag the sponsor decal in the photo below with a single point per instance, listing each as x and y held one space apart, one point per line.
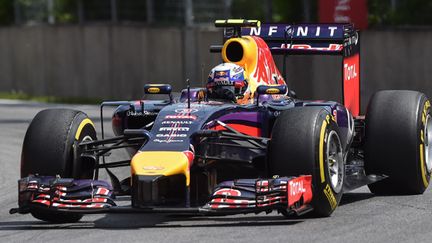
212 102
215 203
171 135
272 91
330 197
153 90
202 104
191 117
351 85
168 140
238 69
177 122
180 129
145 113
330 47
153 168
350 71
227 192
296 188
305 31
299 190
221 73
277 97
224 81
186 110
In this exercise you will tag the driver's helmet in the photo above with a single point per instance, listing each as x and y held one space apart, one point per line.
227 81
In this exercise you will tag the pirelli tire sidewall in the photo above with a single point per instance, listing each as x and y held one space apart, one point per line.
325 198
298 147
396 142
83 129
424 170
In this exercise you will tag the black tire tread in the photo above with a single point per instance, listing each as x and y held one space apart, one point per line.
393 121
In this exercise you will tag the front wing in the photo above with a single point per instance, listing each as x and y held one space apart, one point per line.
289 195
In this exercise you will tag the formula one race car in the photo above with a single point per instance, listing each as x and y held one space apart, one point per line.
242 144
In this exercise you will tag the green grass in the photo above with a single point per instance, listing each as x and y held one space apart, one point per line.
49 99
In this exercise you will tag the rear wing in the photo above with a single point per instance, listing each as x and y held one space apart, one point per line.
331 39
308 39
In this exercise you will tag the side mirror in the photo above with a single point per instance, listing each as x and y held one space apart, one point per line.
272 89
278 89
158 89
195 95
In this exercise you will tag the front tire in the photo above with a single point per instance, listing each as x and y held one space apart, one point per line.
48 150
398 141
306 141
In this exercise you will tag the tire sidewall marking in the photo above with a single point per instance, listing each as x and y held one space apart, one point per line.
85 128
326 188
81 126
425 174
328 192
322 136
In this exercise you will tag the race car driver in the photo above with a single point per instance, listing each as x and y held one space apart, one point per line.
227 81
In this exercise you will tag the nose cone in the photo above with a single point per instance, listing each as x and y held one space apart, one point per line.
164 163
160 178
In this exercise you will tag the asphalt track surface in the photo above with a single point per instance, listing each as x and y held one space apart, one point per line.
361 216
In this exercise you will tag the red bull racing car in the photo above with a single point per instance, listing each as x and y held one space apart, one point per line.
242 144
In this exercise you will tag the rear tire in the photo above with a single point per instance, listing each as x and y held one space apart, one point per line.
306 141
398 141
48 151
